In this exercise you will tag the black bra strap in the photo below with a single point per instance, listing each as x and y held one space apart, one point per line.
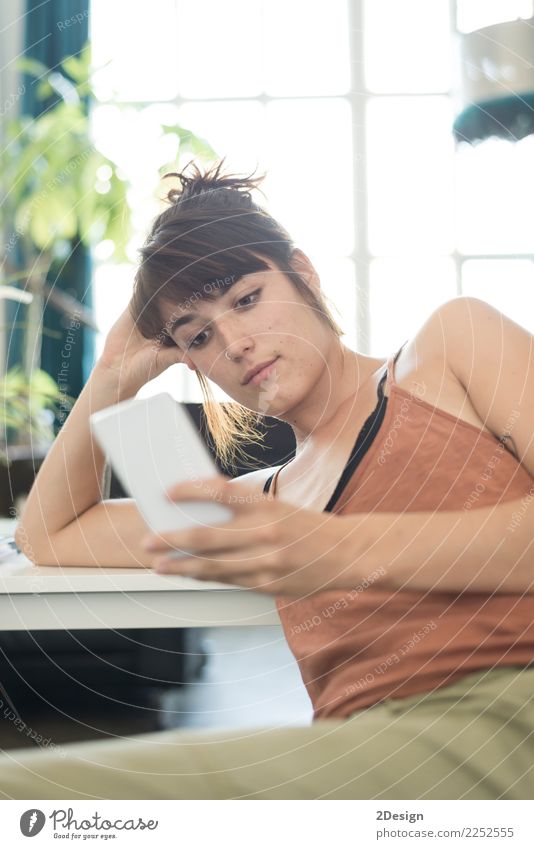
363 442
380 397
267 484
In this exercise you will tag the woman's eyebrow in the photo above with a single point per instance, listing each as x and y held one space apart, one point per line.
178 322
187 318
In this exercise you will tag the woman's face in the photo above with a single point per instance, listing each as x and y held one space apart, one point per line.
259 319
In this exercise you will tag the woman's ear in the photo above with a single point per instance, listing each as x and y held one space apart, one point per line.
303 265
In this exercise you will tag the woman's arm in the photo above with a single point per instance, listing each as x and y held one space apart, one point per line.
488 549
276 548
484 550
65 521
493 358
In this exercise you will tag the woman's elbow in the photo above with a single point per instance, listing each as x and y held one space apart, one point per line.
36 547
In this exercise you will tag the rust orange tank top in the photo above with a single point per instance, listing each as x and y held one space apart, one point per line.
358 647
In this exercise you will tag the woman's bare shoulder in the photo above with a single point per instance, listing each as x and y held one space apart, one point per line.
253 482
428 364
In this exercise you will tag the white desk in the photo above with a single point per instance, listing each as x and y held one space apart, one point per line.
36 598
59 598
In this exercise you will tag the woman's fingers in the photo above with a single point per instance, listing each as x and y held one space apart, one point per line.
260 581
169 355
220 488
253 561
245 532
249 527
271 546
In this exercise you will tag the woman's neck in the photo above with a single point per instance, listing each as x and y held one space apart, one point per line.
346 373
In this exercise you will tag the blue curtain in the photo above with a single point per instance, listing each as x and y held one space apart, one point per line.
55 29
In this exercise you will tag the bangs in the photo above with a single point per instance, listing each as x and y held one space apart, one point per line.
171 276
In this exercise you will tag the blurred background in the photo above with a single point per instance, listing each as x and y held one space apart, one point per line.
349 106
398 142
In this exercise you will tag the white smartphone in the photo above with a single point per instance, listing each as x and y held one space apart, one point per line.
152 444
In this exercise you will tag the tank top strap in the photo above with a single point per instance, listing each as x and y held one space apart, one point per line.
390 379
274 480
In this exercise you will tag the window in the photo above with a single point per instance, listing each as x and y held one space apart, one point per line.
349 107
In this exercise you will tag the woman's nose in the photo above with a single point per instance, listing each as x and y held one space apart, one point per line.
236 339
238 347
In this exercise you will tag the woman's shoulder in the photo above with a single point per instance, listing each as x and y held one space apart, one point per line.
429 365
252 483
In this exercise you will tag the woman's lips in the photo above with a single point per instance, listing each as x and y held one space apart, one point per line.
261 375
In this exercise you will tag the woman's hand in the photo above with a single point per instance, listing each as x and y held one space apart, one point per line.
270 545
133 359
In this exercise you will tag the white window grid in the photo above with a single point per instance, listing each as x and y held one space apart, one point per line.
460 265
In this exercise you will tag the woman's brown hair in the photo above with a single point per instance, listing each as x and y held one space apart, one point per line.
213 231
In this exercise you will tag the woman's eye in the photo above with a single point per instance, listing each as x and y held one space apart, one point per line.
197 341
250 295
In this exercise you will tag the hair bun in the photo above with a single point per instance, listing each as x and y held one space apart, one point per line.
213 179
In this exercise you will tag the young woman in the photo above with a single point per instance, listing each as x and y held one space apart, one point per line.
397 542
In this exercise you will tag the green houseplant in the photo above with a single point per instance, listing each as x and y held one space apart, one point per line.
27 402
56 189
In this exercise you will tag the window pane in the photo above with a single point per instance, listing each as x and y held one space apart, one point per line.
134 139
140 44
112 289
306 47
495 186
219 48
236 130
475 14
407 45
338 283
506 284
410 175
309 185
403 293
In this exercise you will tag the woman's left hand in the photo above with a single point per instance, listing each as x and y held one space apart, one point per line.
270 545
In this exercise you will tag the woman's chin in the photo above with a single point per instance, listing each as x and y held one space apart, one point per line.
279 407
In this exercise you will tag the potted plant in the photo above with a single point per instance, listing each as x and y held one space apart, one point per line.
28 404
56 189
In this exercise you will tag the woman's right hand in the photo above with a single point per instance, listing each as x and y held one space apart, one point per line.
134 360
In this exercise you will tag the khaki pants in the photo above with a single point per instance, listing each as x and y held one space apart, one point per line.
473 739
